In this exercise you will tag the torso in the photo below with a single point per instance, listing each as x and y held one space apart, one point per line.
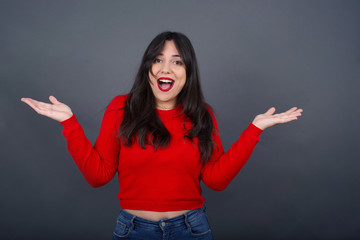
155 216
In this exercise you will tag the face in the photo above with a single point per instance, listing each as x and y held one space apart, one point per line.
169 76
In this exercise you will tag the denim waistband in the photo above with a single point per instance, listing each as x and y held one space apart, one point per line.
165 221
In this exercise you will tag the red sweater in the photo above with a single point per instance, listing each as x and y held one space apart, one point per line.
164 180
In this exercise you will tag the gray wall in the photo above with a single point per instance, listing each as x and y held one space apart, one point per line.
300 183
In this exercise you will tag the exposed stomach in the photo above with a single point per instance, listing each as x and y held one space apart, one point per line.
155 216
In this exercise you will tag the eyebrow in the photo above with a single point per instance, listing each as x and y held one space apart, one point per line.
175 55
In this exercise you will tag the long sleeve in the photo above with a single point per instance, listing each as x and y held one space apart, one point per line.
223 167
97 163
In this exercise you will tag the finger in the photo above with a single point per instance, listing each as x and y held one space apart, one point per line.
30 102
289 116
38 104
285 120
270 111
293 110
33 105
296 109
39 107
53 100
290 119
26 100
297 113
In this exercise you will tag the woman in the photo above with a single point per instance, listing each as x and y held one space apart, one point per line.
161 139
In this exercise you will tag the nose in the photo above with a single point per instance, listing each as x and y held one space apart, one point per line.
165 68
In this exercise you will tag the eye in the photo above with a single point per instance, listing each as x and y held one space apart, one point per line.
178 62
157 60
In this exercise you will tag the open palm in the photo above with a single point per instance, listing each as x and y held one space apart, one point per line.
54 110
269 119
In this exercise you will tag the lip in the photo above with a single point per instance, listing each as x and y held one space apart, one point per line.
165 78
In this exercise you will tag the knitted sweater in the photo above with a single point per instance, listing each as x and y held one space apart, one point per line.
167 179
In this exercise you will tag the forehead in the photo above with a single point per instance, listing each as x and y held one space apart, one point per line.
170 49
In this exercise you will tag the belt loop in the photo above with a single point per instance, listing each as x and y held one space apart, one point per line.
186 220
132 223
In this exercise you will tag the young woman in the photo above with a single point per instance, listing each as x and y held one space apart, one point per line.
161 139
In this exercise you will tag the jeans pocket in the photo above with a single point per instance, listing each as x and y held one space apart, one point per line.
122 228
198 225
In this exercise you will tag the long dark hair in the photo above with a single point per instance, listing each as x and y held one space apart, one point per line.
140 118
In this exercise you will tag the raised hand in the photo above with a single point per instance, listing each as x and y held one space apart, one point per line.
270 119
54 110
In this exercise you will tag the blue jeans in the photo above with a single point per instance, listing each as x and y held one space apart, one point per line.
190 225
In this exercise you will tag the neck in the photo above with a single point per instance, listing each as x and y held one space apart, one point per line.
166 105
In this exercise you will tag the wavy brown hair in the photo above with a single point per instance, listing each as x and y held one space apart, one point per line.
140 118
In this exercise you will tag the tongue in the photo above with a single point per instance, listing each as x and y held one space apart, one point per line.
165 86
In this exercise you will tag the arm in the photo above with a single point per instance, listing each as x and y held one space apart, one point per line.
97 163
223 167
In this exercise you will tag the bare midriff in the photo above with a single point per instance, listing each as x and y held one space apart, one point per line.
155 216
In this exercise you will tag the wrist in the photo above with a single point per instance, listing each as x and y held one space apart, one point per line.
258 125
66 117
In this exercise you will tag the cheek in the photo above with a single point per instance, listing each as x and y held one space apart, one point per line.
155 69
152 80
183 79
183 84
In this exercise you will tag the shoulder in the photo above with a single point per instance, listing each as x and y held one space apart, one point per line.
117 103
210 110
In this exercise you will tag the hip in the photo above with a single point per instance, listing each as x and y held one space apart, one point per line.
192 224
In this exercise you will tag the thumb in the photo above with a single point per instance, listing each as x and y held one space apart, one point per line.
270 111
53 100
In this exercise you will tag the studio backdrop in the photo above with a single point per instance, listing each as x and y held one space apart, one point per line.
302 181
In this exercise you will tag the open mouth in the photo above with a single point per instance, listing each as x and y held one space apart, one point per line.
165 84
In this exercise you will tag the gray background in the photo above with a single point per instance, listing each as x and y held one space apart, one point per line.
302 182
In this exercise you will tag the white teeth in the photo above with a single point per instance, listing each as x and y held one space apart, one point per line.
165 81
